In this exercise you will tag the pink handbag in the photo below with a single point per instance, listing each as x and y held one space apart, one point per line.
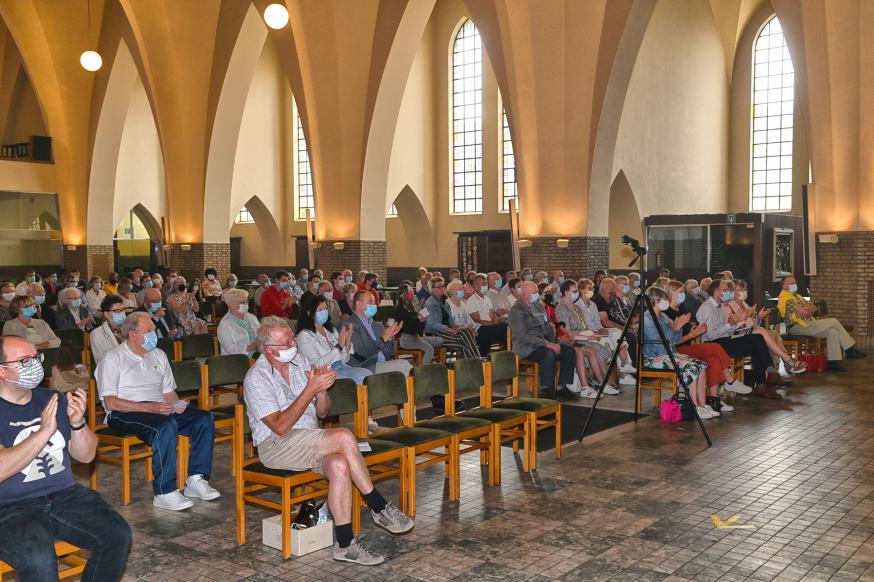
670 412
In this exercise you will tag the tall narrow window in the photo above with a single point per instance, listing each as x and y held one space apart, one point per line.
244 216
509 189
304 197
467 122
773 106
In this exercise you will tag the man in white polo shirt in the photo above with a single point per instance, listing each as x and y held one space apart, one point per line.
138 391
479 307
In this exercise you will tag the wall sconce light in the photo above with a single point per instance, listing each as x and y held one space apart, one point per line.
524 243
185 247
829 239
562 243
315 245
166 247
339 246
72 248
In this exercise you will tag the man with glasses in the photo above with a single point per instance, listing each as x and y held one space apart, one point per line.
40 502
285 397
138 392
107 336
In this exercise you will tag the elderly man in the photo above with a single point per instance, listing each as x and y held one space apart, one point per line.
72 312
800 319
497 296
704 288
479 307
373 344
613 311
135 280
41 432
534 339
722 329
285 397
162 316
138 392
107 336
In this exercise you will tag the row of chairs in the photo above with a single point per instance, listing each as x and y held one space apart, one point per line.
413 445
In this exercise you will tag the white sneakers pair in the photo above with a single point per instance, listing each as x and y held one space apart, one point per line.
589 392
196 487
738 387
705 412
627 368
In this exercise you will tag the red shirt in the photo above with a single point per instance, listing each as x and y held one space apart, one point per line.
361 287
273 302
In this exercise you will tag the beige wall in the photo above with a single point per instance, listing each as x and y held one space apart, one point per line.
673 131
22 176
24 118
624 219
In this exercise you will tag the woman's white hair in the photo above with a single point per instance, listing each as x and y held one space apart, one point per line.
235 296
68 294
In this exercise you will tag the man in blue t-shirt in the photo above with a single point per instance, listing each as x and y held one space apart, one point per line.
40 503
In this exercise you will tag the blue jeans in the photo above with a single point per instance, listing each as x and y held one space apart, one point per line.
355 374
547 359
29 529
160 431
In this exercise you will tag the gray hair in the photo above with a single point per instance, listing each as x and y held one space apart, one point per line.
132 323
268 325
68 294
689 282
236 296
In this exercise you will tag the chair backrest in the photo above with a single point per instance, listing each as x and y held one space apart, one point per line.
50 359
73 339
187 376
431 380
383 312
468 374
344 397
388 388
504 366
200 345
167 345
227 369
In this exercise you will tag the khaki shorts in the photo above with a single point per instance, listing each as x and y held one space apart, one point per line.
296 451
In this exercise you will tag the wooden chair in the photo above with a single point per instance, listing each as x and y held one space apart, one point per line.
415 356
469 433
70 562
119 448
391 389
547 413
172 349
529 369
73 341
222 374
253 479
655 380
512 425
384 460
200 345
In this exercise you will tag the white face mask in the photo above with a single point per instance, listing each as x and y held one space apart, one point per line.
243 307
588 293
8 296
663 305
288 355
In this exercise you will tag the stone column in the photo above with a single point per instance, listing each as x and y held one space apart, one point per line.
355 255
583 256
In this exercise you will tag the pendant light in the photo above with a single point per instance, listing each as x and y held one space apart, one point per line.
90 60
276 16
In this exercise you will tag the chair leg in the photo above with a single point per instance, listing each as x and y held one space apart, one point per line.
182 452
404 485
241 514
454 468
410 461
528 442
495 453
286 521
558 432
356 510
92 474
125 473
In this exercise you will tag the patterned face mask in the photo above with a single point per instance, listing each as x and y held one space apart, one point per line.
30 372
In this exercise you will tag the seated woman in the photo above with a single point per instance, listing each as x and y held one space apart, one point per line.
107 336
71 313
7 294
439 323
238 328
413 330
656 357
605 335
458 315
38 293
211 287
128 298
322 345
25 324
95 296
184 307
231 281
753 320
575 329
348 300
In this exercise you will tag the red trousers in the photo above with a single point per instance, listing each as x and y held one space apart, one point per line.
713 355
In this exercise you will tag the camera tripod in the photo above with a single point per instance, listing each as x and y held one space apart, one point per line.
642 305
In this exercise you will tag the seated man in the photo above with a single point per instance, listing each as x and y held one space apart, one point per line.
721 328
162 316
138 392
492 330
693 300
285 397
614 312
374 345
40 502
799 317
534 339
277 299
497 295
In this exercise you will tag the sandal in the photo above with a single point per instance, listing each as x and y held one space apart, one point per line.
793 366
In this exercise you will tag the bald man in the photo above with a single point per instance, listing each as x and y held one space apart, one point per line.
162 316
534 339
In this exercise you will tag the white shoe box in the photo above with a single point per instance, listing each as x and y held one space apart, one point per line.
303 541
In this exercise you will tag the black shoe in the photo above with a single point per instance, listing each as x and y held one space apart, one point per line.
834 366
565 395
714 403
547 393
855 354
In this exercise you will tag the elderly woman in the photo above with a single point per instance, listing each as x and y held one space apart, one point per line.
95 295
231 281
609 336
237 329
7 294
211 286
71 312
107 336
184 307
458 315
25 324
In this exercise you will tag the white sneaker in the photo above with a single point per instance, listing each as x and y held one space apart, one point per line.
738 387
198 487
575 389
725 407
372 426
627 369
712 412
704 413
610 389
589 392
628 380
174 501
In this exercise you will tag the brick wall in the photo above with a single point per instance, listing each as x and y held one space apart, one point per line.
77 259
356 255
100 258
845 280
193 262
583 256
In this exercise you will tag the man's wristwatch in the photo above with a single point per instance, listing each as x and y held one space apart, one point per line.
80 427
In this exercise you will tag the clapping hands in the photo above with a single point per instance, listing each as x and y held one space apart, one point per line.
392 330
320 379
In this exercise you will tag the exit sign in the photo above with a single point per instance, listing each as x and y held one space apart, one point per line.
732 218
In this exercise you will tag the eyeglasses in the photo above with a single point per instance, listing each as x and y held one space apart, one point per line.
40 357
290 344
122 310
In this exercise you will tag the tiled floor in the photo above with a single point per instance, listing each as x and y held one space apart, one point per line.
633 503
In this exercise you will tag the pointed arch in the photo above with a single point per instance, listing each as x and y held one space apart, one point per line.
416 233
269 244
150 222
624 218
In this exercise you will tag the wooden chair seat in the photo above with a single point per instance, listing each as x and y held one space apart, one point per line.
70 561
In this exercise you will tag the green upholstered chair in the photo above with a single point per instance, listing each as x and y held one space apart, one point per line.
201 345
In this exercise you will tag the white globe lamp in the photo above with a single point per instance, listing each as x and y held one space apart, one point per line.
91 61
276 16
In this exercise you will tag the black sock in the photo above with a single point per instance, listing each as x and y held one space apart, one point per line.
344 534
374 500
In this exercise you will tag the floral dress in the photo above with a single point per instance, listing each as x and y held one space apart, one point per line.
656 358
184 307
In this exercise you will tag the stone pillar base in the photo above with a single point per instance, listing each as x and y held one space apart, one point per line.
201 256
583 256
356 255
844 280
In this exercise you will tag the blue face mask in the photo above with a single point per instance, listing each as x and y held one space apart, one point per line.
460 293
154 307
322 316
793 288
560 280
39 299
76 303
147 284
499 284
728 296
283 284
626 289
305 277
575 296
529 277
118 319
150 341
484 289
681 297
28 311
370 311
535 297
